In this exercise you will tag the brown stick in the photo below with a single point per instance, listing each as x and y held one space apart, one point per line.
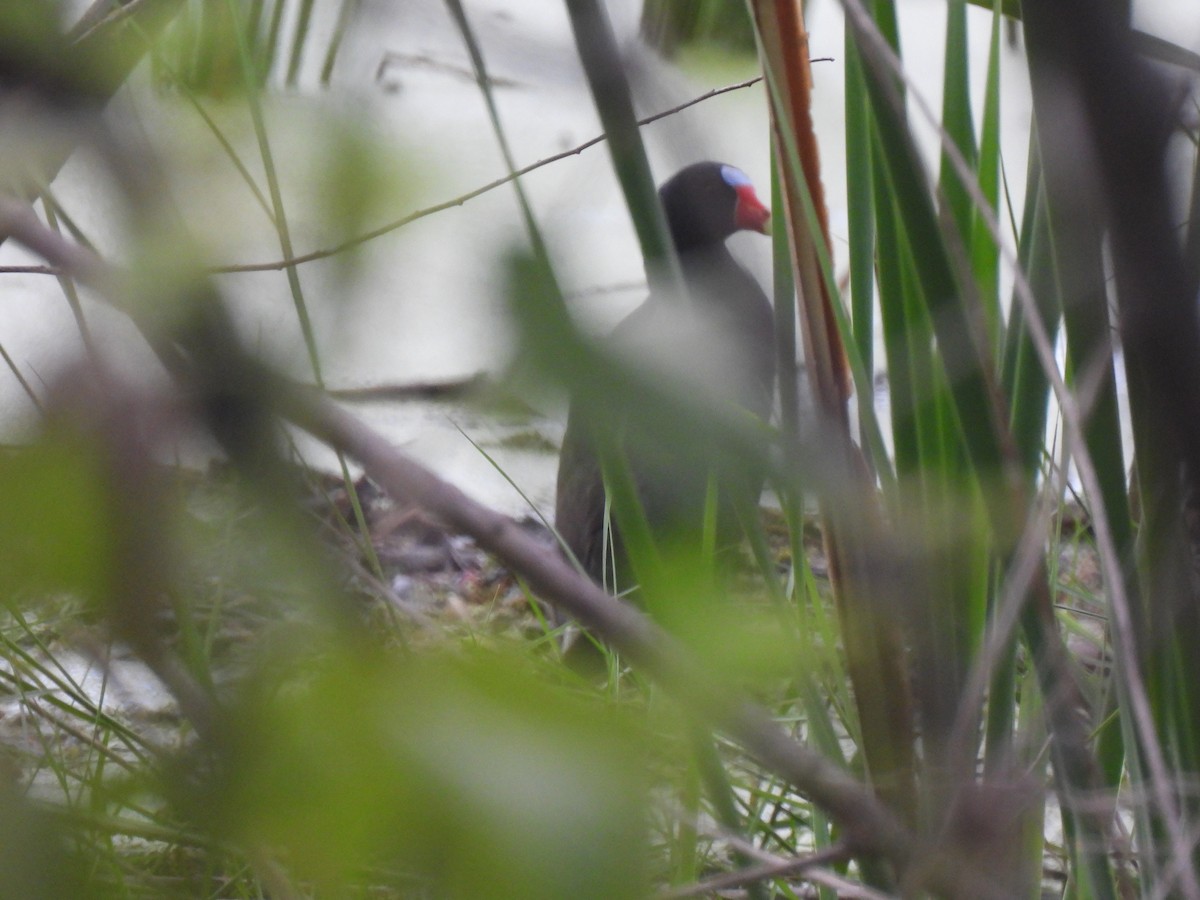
856 544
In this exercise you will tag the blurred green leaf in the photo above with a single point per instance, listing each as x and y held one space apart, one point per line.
54 521
669 24
467 773
36 860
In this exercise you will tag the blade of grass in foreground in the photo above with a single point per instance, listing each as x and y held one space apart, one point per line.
985 255
957 118
860 210
610 91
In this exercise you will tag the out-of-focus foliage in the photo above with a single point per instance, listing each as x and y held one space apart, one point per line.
201 50
38 859
471 775
923 634
54 520
670 24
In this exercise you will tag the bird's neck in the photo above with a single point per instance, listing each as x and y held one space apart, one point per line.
710 267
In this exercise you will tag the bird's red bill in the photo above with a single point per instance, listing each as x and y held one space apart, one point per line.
750 214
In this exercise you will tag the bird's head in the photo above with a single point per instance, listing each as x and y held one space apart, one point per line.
707 202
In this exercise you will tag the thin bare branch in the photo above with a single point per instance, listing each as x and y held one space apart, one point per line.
421 390
469 195
278 265
776 868
30 270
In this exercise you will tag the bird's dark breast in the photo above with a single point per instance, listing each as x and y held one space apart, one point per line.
743 325
718 344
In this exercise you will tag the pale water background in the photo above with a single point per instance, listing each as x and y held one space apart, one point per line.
426 302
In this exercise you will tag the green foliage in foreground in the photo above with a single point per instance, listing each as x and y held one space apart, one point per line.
320 736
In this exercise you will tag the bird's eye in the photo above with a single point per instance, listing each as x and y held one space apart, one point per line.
735 177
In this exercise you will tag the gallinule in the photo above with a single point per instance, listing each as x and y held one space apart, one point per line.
720 340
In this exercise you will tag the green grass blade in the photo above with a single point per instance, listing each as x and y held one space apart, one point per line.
784 297
956 116
299 39
860 207
602 64
985 255
345 17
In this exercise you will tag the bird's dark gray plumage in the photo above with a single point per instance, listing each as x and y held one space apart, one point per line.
719 340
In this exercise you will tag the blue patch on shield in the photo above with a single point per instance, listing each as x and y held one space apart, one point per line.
735 178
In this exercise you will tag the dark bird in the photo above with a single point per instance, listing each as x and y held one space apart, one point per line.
718 340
